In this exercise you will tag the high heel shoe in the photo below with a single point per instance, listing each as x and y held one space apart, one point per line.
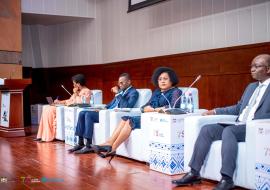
111 154
105 148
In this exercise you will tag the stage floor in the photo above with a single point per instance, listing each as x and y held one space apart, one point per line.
26 164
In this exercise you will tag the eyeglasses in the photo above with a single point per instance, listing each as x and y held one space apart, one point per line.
122 82
257 66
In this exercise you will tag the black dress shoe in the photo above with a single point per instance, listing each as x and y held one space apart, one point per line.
75 148
224 185
37 139
84 150
188 179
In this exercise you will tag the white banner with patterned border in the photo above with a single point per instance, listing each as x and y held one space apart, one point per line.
262 168
5 108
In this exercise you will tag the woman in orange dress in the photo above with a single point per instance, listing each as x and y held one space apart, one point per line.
47 125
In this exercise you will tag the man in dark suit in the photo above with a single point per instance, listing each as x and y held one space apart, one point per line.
254 104
125 97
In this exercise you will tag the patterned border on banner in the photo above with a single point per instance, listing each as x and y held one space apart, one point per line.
167 147
262 182
264 168
167 163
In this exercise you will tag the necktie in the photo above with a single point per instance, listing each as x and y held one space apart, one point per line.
252 102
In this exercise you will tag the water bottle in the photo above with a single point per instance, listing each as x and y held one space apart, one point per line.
83 99
190 105
92 100
183 104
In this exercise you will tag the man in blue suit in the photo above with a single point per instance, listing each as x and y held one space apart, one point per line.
254 104
125 97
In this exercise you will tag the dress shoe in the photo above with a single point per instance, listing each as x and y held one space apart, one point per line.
84 150
188 179
224 185
37 139
75 148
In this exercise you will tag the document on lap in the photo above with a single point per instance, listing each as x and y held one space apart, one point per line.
122 109
229 123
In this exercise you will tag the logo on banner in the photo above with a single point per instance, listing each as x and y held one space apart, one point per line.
180 134
153 119
157 133
162 120
260 131
4 117
174 120
263 131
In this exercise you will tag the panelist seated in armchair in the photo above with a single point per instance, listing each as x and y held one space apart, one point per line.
166 94
125 97
47 125
254 104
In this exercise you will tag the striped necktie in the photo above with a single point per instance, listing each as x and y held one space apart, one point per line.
252 102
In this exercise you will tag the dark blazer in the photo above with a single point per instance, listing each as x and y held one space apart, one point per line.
263 110
128 100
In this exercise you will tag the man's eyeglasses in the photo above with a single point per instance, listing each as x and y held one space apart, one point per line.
257 66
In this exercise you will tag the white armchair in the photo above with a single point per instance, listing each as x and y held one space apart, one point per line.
130 148
60 115
245 163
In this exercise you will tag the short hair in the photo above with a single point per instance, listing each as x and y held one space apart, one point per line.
79 78
126 75
265 57
158 71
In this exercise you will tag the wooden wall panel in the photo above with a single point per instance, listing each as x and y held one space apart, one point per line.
225 74
10 25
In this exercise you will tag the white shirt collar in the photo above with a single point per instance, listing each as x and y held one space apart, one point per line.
266 82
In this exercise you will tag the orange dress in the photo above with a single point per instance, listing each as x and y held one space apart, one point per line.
47 125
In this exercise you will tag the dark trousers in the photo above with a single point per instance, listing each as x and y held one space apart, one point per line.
85 124
230 137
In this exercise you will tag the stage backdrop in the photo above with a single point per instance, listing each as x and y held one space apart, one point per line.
225 74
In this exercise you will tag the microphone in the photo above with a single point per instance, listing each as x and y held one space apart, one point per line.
66 90
198 78
167 100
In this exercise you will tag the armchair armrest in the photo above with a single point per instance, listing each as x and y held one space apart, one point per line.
104 115
193 125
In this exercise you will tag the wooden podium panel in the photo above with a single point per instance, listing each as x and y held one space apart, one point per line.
11 109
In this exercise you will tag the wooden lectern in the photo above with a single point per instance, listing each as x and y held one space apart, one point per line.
11 107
